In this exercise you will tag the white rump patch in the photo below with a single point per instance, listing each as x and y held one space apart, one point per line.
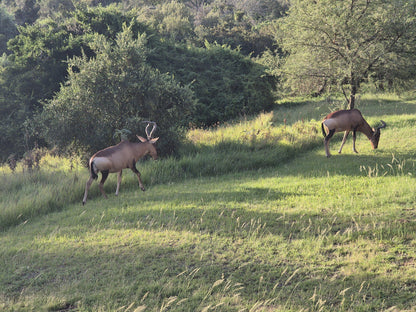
102 163
332 124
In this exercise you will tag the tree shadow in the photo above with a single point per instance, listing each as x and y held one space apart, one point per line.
373 163
223 248
387 107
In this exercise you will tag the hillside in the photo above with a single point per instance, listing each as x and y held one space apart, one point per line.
251 217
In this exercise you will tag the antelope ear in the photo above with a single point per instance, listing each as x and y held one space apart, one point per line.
141 138
153 141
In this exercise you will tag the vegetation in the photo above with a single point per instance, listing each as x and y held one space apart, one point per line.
212 61
219 82
243 211
304 232
344 43
115 90
226 84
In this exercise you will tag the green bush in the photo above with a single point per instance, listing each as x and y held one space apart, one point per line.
226 83
116 90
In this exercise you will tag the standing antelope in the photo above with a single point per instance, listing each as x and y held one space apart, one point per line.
118 157
349 120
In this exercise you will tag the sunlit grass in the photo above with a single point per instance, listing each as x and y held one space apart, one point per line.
255 133
294 232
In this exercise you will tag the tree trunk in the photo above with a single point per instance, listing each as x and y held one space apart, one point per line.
354 88
351 102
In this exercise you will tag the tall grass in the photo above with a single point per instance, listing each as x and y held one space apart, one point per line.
244 145
303 233
248 144
28 194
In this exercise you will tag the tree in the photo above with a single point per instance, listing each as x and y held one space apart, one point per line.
116 90
8 29
36 68
171 19
229 25
226 83
27 12
342 43
31 73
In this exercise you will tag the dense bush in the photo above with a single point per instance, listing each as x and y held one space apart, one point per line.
116 90
207 85
198 58
226 83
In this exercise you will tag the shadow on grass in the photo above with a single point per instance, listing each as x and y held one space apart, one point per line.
280 259
267 253
382 107
229 245
352 165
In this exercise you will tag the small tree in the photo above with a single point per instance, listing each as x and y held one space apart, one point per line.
172 19
342 43
116 90
8 29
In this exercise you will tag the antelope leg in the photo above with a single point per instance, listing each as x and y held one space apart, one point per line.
118 181
87 187
343 141
354 136
104 177
138 177
327 139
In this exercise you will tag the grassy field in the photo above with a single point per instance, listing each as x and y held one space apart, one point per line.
251 217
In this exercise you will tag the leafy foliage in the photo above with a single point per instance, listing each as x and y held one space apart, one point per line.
342 43
8 29
32 72
226 24
226 83
207 48
116 90
172 20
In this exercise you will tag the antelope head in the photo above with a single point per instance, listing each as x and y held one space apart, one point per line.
376 136
151 148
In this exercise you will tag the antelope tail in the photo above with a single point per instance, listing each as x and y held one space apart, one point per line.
323 129
92 171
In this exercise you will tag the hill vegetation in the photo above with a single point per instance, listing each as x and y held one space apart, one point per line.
243 211
74 74
222 227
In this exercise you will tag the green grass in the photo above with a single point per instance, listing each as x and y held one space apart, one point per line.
302 233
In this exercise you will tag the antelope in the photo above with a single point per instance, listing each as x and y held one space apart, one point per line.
121 156
349 120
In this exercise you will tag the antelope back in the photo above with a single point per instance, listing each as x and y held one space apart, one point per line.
343 120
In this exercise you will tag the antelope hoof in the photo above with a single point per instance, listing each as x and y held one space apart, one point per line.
142 188
83 203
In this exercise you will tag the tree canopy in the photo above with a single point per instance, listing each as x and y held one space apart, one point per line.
211 60
343 43
42 76
116 90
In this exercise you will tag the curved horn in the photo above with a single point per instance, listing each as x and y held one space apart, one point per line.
383 125
149 136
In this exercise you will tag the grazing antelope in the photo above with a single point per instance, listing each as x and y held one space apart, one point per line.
349 120
118 157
